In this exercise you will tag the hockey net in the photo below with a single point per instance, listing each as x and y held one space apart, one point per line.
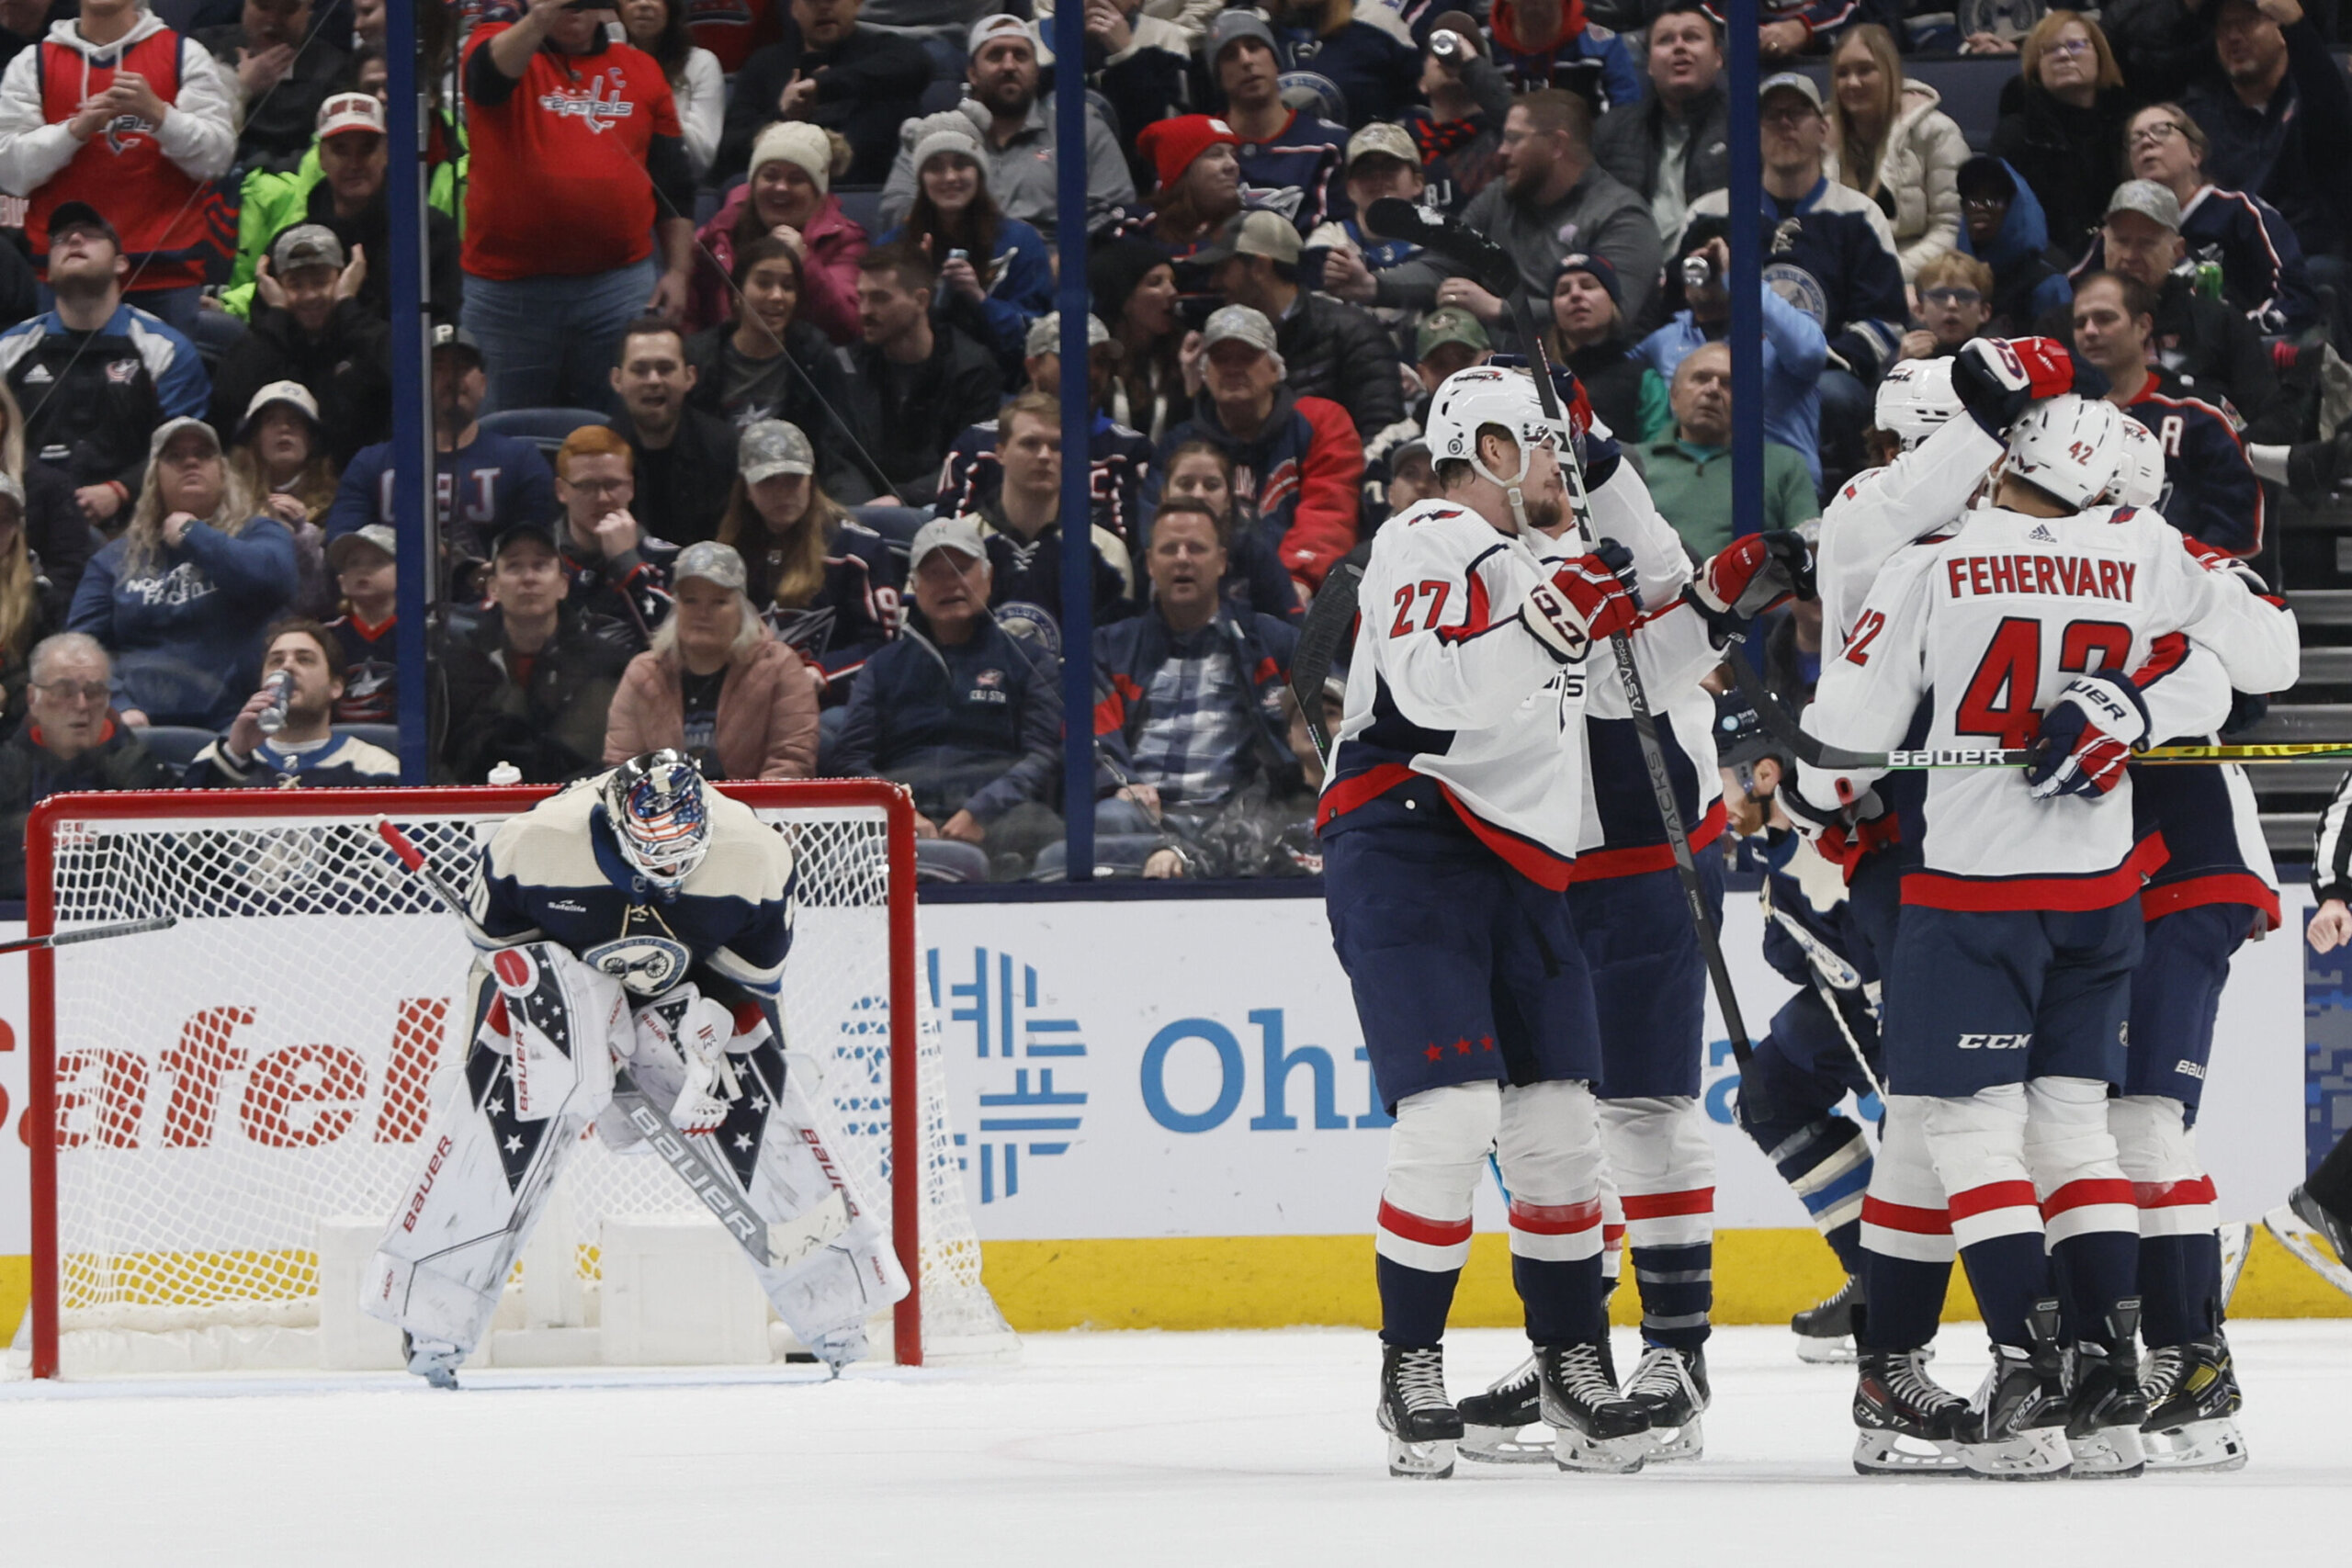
217 1092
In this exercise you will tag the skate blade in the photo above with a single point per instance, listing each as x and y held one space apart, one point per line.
1825 1352
1600 1456
1894 1453
2238 1240
1684 1442
1504 1445
2109 1453
2036 1455
1432 1460
2305 1243
2213 1446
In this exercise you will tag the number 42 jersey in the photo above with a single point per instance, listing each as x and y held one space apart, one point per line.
1994 622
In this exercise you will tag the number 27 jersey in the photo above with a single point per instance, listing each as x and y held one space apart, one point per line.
1994 622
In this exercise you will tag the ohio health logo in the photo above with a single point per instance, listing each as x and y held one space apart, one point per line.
996 1015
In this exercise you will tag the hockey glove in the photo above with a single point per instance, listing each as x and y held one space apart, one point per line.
696 1030
1994 378
1591 597
2085 737
1749 576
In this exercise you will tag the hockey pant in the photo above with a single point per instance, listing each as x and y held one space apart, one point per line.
1906 1237
1546 1139
2180 1248
2038 1196
539 1074
1663 1167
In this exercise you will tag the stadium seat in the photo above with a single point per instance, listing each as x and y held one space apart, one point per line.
386 736
940 96
544 428
862 205
216 333
1970 88
897 524
177 744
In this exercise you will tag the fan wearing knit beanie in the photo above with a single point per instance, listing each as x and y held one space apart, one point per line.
1195 157
994 277
789 194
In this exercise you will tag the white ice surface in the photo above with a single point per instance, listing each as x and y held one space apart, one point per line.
1208 1449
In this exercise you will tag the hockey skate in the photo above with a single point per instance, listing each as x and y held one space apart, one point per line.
1669 1388
1825 1331
1905 1423
2014 1429
1493 1422
2193 1400
2105 1405
1422 1423
2306 1228
1597 1430
433 1362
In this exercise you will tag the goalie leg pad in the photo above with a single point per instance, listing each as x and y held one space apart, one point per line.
543 1017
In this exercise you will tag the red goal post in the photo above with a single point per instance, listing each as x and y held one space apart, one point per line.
216 859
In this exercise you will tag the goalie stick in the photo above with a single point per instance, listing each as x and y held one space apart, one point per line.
1497 273
702 1178
92 933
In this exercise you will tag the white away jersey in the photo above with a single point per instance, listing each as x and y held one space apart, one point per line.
1445 681
1994 622
1876 515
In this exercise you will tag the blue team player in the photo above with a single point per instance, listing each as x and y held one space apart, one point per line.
636 919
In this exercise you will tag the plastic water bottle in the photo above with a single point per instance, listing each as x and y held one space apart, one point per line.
505 774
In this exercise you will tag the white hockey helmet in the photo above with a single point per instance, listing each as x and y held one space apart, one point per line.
2070 447
2140 480
1916 400
655 807
1468 401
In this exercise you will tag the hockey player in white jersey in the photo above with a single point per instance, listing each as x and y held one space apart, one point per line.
637 919
2006 995
1449 823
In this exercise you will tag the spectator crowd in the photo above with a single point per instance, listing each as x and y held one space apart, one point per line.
746 381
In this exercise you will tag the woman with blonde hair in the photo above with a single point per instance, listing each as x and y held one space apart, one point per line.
825 583
716 684
2065 137
56 531
183 598
1889 141
31 607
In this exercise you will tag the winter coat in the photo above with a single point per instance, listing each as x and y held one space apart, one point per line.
1598 215
185 631
1019 282
2072 158
348 369
31 773
828 271
1331 349
1128 654
868 84
91 400
1300 471
553 728
909 436
2291 151
1022 173
1631 138
767 712
1918 178
974 726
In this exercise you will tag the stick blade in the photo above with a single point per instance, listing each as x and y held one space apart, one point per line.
1330 622
1489 266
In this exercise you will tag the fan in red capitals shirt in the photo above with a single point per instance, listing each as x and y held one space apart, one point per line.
577 154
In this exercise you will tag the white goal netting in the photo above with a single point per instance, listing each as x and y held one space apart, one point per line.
270 1064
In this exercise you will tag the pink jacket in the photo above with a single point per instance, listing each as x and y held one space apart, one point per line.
767 712
828 302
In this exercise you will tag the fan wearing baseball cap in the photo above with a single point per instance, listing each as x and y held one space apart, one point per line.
1334 349
1383 161
307 326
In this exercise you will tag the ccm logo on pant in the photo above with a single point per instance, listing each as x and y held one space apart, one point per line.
1995 1042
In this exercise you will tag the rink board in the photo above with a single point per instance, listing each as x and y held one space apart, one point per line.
1167 1119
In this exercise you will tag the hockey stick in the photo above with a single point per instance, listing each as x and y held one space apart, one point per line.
702 1178
91 933
1831 974
1328 621
1496 272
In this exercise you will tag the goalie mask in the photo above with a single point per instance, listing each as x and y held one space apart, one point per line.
654 804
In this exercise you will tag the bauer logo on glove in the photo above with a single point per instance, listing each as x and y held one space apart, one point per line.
2086 738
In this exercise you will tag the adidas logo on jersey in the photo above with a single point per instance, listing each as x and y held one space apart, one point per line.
2042 535
1996 1041
38 376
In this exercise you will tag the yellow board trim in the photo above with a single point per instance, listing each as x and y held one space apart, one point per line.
1761 1276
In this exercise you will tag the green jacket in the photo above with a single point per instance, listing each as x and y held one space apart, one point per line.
271 201
1692 486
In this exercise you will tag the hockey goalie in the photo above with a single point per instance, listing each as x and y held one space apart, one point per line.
635 920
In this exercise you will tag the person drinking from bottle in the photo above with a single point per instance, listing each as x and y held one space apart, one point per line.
281 738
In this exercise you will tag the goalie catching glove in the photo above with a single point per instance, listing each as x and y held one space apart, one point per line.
1996 378
2086 738
1749 576
1588 598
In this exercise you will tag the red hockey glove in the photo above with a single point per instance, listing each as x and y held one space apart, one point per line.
1751 575
1996 378
1591 597
2086 738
